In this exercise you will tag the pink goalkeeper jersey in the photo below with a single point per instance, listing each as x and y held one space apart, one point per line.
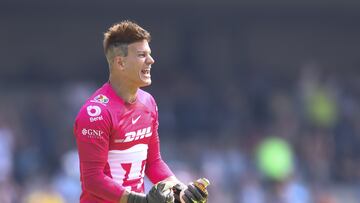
118 144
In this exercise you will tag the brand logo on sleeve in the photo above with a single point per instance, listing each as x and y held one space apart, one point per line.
135 135
91 133
94 111
102 99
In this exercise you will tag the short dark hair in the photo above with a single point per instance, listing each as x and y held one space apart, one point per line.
120 35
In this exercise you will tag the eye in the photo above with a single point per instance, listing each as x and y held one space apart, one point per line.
141 55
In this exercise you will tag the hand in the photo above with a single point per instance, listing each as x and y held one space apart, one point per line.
159 193
192 193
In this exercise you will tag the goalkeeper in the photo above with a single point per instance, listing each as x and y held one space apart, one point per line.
116 130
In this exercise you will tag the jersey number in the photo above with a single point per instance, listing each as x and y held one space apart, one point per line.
133 177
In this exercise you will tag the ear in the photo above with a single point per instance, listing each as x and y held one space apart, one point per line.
120 62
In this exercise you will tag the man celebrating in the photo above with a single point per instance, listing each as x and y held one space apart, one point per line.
117 129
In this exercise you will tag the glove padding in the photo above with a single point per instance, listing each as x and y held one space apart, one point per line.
159 193
189 194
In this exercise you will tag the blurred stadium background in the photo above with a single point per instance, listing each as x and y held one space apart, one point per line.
261 97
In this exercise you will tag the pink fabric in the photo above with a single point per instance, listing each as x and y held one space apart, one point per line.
118 144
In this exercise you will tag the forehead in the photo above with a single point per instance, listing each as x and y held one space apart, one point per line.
139 46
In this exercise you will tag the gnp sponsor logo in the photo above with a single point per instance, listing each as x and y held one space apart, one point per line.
91 133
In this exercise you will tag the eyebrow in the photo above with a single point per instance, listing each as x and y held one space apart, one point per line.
149 52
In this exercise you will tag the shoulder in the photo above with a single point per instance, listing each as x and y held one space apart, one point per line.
146 98
96 106
93 122
101 96
92 112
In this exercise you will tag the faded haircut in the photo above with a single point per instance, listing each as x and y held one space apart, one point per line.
120 35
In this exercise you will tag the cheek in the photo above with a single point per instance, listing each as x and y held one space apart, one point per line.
137 71
133 67
138 66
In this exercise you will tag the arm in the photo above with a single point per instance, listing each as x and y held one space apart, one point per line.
93 140
156 169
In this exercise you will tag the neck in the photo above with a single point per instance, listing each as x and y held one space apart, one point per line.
123 90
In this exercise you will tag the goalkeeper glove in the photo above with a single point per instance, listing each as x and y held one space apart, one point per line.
192 193
159 193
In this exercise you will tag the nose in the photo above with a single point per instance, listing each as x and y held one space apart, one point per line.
150 60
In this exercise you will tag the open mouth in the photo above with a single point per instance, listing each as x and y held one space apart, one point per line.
146 72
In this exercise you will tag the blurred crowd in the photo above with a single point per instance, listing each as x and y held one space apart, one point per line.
260 97
258 136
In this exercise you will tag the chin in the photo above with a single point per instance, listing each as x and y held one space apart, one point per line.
146 83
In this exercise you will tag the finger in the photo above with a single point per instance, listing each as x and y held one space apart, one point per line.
178 187
196 192
161 186
190 195
186 199
170 197
177 196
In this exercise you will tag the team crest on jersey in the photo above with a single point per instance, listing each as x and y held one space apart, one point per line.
102 99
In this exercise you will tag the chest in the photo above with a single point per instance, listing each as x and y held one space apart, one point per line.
131 127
